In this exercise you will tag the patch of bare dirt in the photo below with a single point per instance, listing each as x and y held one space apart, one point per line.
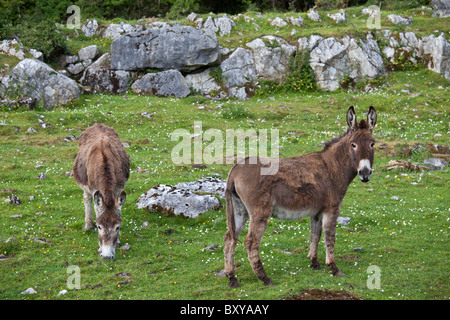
318 294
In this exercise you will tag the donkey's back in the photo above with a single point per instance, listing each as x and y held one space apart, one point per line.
101 169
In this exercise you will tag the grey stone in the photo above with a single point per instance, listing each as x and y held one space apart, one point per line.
202 82
436 54
170 200
333 59
441 8
314 15
87 53
90 28
338 17
272 61
178 47
101 78
75 68
399 20
344 220
34 79
435 163
239 68
207 185
162 84
278 22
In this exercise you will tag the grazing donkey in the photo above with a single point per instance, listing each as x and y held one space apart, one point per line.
101 169
311 185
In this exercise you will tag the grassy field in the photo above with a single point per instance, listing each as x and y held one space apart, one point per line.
406 238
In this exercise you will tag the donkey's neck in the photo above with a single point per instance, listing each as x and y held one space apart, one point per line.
339 165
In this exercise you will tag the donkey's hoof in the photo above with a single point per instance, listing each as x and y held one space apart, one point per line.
339 273
315 265
268 282
234 283
336 271
89 227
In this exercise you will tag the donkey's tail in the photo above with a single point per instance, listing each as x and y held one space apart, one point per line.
229 192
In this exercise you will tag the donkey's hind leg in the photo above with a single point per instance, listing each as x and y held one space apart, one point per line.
316 231
258 224
240 218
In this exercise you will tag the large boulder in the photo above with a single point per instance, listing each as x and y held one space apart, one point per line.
162 84
33 78
165 47
101 78
203 82
114 31
239 68
435 52
206 185
271 55
441 8
333 60
171 200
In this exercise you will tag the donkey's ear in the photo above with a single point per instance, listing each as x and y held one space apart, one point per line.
98 199
372 117
351 118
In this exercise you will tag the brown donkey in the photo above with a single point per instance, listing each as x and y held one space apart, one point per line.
101 169
311 185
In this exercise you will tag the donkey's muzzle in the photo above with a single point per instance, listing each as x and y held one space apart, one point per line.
364 170
107 252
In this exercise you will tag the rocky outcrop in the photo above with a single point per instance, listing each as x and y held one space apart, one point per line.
78 63
334 60
100 78
436 54
165 47
162 84
33 78
272 56
441 8
170 200
16 49
203 82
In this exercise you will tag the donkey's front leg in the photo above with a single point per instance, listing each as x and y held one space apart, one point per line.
329 226
87 199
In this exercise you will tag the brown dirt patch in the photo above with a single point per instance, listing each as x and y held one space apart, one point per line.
317 294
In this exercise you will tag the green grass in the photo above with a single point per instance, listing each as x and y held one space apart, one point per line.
406 238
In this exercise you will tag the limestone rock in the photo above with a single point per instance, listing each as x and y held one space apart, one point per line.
35 79
165 47
170 200
271 60
162 84
101 78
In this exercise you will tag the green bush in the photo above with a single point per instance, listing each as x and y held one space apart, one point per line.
43 37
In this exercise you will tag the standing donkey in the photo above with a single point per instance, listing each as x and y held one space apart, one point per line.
311 185
101 169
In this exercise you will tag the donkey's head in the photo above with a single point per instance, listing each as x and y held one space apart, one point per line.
108 223
361 142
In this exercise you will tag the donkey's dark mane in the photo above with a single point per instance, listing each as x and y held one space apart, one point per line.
362 125
335 140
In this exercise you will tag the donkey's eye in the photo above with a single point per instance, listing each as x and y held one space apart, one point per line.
372 144
99 228
353 146
117 229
